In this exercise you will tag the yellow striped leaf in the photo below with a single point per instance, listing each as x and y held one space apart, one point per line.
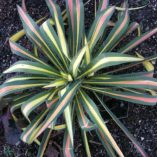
44 142
94 114
107 60
116 33
67 145
77 60
32 103
68 118
99 25
139 98
75 12
8 88
56 15
34 34
26 77
32 68
30 134
21 51
84 122
51 37
56 83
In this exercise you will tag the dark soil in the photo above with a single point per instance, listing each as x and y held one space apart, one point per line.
141 121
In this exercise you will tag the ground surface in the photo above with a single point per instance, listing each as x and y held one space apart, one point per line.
141 121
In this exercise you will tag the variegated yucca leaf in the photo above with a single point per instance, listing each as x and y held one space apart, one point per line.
57 86
107 60
26 77
103 5
68 118
94 114
138 82
116 33
22 52
137 41
123 128
67 145
56 15
33 68
106 144
44 142
84 122
86 143
51 37
75 12
32 103
139 98
34 34
99 26
33 133
12 87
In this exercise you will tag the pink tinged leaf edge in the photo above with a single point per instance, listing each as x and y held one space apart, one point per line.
124 22
140 150
24 6
101 21
16 48
148 100
51 102
103 18
104 5
53 6
120 28
137 82
149 74
134 26
27 21
6 89
70 4
83 120
145 37
67 146
55 113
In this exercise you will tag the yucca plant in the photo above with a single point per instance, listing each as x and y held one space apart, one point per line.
70 69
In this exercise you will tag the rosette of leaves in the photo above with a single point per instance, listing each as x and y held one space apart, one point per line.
71 66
